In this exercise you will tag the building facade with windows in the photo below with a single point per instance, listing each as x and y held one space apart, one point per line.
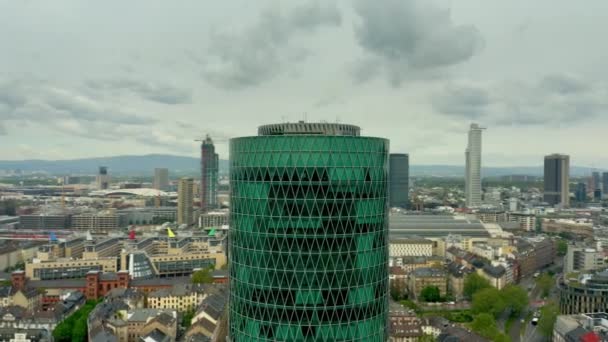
309 234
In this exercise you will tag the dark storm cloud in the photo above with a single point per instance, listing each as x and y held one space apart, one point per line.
151 91
260 53
554 100
412 35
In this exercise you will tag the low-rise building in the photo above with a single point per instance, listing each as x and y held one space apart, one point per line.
581 327
182 297
526 221
410 247
583 292
495 275
457 275
404 326
582 258
425 277
583 228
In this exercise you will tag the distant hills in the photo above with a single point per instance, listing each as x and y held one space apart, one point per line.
144 165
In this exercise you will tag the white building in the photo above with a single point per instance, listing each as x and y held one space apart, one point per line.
410 247
473 167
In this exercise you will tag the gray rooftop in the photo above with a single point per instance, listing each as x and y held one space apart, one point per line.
427 226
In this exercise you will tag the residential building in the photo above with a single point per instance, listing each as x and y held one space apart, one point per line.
472 184
309 203
557 180
185 201
410 247
457 275
403 326
182 298
533 254
583 292
399 173
161 179
209 175
582 258
421 278
496 275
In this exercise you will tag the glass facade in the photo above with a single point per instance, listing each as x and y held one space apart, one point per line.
308 238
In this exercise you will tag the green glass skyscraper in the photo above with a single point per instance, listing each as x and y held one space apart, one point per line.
308 242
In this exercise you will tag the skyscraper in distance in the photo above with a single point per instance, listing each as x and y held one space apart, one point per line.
399 171
595 178
185 201
557 180
161 179
209 175
308 241
605 184
103 178
472 182
581 192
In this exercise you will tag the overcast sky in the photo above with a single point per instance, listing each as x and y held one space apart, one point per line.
101 78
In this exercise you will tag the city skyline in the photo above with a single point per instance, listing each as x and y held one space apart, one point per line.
509 75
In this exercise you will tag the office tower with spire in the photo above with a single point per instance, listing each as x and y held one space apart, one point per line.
472 183
399 171
185 201
308 240
557 180
161 179
209 175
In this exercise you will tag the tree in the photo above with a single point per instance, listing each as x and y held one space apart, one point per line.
430 294
515 298
473 283
485 325
488 300
562 247
398 290
548 316
202 277
545 283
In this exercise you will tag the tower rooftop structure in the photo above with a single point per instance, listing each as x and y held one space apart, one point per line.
309 128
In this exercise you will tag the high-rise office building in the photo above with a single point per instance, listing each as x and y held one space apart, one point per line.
581 192
308 234
209 175
595 179
161 179
557 180
103 178
605 183
472 183
185 201
399 172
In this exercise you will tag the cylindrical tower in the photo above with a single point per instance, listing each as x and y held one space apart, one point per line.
308 234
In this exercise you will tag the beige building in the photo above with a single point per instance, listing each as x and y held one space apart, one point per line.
556 226
424 277
130 326
185 201
99 222
182 298
410 247
67 268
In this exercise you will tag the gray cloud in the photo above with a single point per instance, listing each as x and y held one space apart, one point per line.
151 91
64 109
554 100
260 53
407 36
